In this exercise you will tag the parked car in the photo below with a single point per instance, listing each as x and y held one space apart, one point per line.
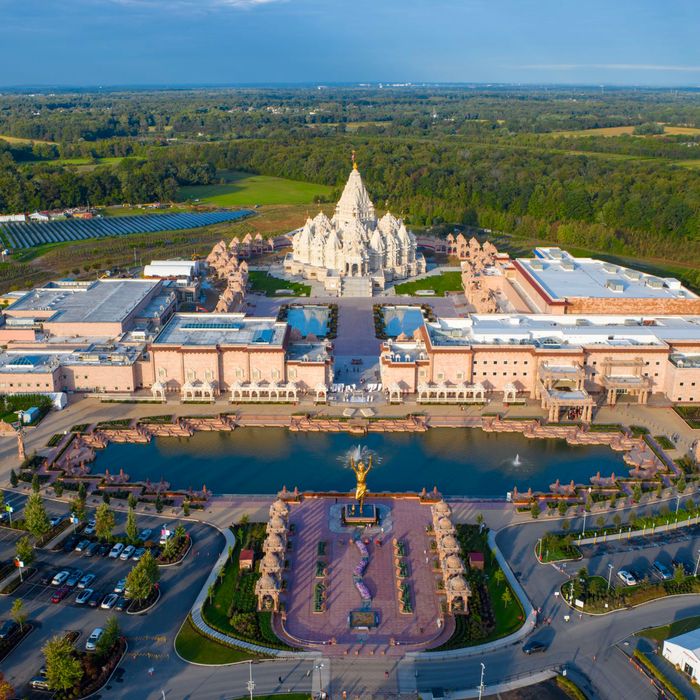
138 553
8 628
90 527
626 577
116 550
73 579
127 552
95 599
110 601
56 520
92 549
70 542
39 683
122 603
92 640
60 578
120 586
86 580
82 545
534 646
687 566
145 534
104 549
84 596
59 594
661 570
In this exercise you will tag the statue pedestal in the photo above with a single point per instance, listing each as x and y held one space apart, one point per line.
354 515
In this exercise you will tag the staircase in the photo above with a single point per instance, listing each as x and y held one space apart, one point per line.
356 287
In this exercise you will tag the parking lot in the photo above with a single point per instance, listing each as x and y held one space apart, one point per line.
150 635
637 555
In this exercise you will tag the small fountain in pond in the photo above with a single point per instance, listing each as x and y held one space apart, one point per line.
516 461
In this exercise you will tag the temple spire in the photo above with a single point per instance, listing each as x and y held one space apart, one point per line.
354 162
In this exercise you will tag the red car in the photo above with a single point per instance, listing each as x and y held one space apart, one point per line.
59 594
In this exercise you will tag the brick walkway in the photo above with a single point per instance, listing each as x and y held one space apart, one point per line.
416 630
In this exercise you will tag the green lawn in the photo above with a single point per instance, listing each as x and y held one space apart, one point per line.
446 282
194 647
245 189
687 624
263 283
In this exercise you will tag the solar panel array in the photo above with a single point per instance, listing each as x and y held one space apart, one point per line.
27 235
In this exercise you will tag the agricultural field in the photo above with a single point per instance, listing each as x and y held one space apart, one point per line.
621 130
244 189
18 140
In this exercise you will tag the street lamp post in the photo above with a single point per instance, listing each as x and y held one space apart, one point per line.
481 682
318 667
610 570
697 563
539 549
583 529
251 683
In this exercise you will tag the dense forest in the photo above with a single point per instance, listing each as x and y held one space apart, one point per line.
503 159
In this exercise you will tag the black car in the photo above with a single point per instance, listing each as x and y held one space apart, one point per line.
534 647
104 549
8 628
93 549
96 599
122 604
70 542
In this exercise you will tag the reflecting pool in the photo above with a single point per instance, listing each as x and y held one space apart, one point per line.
402 319
459 461
309 319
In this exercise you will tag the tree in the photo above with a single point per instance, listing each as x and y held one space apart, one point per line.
142 578
109 637
681 484
132 501
36 483
600 521
179 533
566 525
169 548
58 488
659 490
637 492
617 520
131 529
63 668
562 507
14 479
24 550
18 614
77 507
535 509
104 522
507 597
186 508
499 577
678 573
35 517
106 498
7 692
159 504
82 491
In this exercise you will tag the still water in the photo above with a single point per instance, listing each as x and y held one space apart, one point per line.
459 461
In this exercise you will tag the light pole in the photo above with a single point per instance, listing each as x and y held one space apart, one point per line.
481 682
697 563
539 549
610 570
251 683
583 529
318 667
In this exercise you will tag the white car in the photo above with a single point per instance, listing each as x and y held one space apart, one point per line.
86 580
94 637
128 551
121 585
116 550
138 553
90 527
110 601
60 578
626 577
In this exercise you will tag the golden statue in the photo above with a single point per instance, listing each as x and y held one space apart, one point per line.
361 472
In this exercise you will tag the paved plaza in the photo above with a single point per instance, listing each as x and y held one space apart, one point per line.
312 524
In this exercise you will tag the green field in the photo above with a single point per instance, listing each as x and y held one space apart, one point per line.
687 624
446 282
244 189
262 283
196 648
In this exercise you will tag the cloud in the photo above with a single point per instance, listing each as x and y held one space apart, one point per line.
610 66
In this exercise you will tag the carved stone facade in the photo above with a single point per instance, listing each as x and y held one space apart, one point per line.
354 244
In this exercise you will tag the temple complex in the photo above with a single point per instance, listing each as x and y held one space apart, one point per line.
354 253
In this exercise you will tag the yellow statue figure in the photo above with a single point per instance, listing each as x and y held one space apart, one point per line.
361 472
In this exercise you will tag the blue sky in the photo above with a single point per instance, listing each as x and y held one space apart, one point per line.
108 42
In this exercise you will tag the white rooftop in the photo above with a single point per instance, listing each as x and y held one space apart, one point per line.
561 276
689 640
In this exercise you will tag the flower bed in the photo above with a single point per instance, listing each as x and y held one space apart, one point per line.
7 645
182 547
53 532
320 569
405 605
139 606
17 582
321 548
363 590
319 598
401 548
96 674
402 569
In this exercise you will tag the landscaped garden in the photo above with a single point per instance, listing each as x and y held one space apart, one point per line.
690 414
440 284
494 610
231 607
196 648
10 404
263 283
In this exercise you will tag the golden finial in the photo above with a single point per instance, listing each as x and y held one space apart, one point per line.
354 162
